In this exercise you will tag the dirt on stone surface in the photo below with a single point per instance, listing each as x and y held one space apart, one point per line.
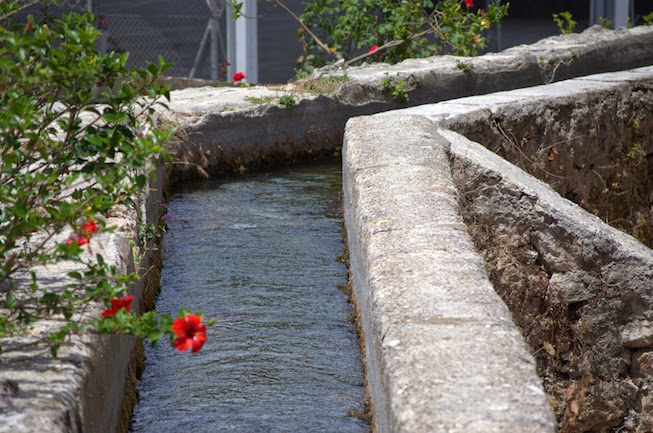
596 151
584 307
572 310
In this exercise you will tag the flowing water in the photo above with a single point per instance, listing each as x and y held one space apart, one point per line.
258 253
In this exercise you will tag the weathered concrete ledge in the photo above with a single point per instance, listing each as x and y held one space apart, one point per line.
230 129
589 138
443 353
579 290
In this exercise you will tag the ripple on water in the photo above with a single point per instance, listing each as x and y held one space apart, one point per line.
258 254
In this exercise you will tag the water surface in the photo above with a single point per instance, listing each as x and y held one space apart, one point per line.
258 253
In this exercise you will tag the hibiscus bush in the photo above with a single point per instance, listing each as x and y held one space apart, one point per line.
77 138
333 29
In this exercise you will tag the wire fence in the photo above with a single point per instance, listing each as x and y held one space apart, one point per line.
147 29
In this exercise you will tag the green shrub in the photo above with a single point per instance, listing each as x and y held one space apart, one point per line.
400 29
648 19
76 139
395 89
287 101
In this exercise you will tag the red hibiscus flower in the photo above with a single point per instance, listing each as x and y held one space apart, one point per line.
191 333
117 304
79 240
89 227
84 236
469 3
238 76
373 48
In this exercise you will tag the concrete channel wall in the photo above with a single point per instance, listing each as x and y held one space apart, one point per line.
233 129
430 214
443 354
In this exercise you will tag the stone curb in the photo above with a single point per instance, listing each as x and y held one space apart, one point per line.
455 113
442 351
438 339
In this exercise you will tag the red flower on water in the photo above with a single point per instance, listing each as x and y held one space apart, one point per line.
238 76
469 3
373 48
191 332
117 304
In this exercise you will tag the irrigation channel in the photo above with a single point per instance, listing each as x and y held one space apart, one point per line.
258 253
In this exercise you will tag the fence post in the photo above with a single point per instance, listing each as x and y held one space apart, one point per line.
242 41
231 41
617 11
621 12
215 28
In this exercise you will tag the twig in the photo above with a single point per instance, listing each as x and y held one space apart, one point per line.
10 14
307 30
387 45
522 154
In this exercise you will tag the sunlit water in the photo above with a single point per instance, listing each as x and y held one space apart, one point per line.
258 253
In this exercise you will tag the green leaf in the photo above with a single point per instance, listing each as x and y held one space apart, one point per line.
93 138
75 275
141 180
154 337
10 301
21 210
10 159
114 117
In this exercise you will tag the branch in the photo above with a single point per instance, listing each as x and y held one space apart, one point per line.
25 6
307 30
387 45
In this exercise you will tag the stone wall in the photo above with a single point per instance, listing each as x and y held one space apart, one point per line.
578 289
442 351
593 145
